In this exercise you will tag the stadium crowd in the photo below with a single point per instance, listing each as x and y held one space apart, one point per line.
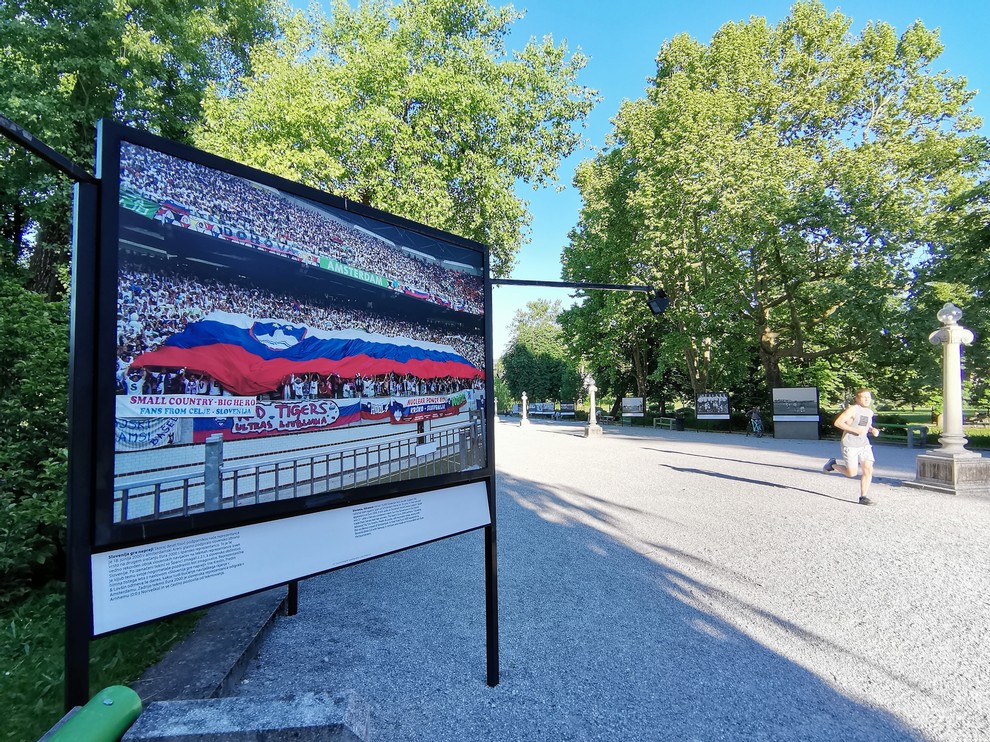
155 304
226 200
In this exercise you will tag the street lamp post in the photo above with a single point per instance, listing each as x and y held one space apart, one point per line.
592 429
951 468
951 336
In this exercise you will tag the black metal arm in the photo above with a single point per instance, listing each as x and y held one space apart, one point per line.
28 141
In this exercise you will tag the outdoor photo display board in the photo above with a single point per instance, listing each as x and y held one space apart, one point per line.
285 382
632 407
797 404
712 406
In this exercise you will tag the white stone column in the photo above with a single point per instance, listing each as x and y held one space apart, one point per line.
525 418
952 469
951 336
592 428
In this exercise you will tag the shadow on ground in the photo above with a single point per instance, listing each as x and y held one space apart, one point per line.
598 641
766 465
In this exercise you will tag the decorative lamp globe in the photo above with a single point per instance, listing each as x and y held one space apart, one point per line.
950 314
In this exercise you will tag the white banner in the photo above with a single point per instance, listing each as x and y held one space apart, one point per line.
139 435
184 405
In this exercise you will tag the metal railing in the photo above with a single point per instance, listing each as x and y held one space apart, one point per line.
222 485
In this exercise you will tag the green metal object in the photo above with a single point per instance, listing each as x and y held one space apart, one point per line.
106 718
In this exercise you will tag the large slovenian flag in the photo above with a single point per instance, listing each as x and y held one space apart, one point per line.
251 356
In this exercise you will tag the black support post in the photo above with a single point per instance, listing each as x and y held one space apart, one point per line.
491 591
292 599
79 510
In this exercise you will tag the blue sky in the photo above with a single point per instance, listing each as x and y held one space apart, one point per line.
622 39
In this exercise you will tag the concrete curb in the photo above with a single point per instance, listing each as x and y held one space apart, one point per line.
211 661
309 717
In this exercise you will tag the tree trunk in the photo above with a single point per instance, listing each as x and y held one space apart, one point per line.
639 370
771 370
620 392
698 362
48 258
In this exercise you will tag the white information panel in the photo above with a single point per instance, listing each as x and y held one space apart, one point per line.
142 583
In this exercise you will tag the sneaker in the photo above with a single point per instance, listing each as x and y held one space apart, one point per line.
865 500
829 466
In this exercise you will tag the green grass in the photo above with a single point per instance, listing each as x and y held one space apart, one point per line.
31 657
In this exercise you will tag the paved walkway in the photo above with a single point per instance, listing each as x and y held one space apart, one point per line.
667 586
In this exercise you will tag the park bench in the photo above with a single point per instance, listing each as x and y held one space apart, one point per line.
667 423
912 433
977 421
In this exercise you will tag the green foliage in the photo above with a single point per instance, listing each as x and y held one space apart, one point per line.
616 335
33 435
65 65
413 107
32 651
502 391
537 361
961 275
778 183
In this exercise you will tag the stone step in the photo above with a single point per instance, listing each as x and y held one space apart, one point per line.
310 717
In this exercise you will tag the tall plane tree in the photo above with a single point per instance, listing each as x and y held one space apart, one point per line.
537 361
64 65
414 107
784 178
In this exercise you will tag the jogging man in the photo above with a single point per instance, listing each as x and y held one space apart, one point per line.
856 424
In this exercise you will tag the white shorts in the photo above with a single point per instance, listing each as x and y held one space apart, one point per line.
852 455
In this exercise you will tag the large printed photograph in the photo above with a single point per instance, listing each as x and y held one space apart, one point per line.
795 404
712 406
270 347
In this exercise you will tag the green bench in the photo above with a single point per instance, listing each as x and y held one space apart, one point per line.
668 423
912 433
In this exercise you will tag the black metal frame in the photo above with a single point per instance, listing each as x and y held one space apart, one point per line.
28 141
573 285
91 410
108 534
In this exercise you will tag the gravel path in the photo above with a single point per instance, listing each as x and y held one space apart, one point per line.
666 586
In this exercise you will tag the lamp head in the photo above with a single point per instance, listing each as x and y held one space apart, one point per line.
659 302
949 314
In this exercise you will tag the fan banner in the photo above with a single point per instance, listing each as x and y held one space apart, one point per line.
253 356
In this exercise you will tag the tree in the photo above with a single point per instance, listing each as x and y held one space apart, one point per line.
537 361
783 180
64 66
503 395
412 107
33 436
625 344
960 274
